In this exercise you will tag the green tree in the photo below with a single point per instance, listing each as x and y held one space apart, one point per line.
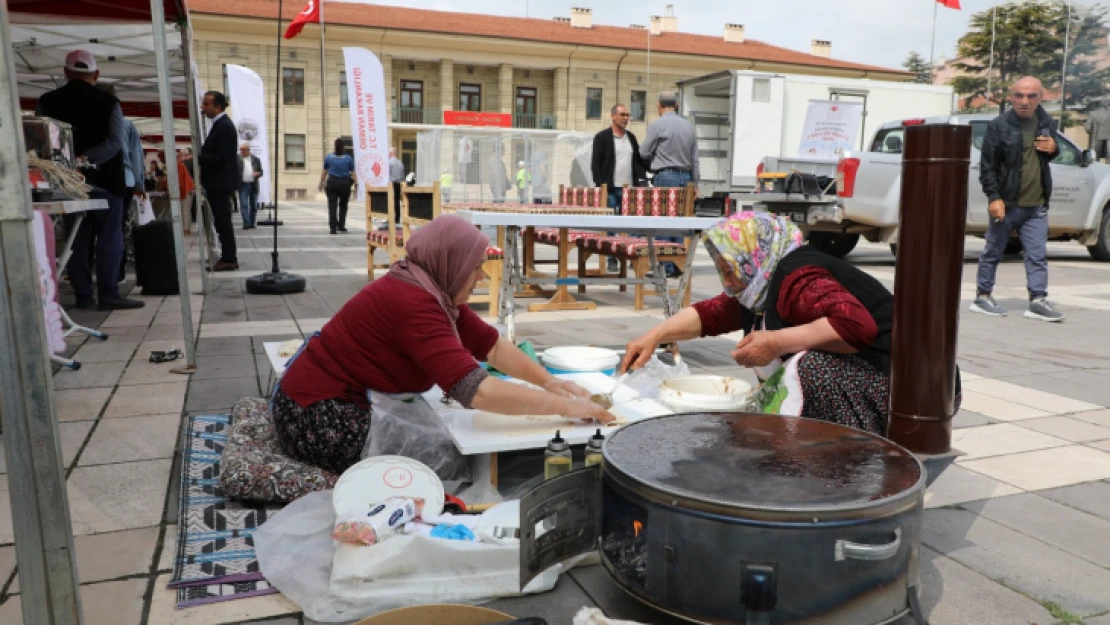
919 67
1086 82
1028 40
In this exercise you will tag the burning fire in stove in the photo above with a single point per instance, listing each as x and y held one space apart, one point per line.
637 527
625 537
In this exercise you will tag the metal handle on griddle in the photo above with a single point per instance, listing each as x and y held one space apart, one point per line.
857 551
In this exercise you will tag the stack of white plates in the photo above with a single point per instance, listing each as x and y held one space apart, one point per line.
581 359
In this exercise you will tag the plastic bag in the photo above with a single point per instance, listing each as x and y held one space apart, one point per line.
146 210
648 379
406 425
297 555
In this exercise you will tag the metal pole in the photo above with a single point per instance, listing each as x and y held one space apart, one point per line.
1064 78
933 41
990 67
39 505
198 141
169 139
323 81
277 122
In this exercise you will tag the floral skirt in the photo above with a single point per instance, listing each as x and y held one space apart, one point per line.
329 434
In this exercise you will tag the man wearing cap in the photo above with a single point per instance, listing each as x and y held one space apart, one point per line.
219 175
98 135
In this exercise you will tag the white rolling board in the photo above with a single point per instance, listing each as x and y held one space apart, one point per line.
536 432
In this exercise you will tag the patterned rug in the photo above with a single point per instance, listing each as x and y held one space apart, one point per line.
215 551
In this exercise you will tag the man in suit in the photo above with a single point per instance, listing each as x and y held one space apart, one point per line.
250 170
616 161
1098 130
218 175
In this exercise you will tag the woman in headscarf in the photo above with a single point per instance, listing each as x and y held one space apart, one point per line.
401 335
817 330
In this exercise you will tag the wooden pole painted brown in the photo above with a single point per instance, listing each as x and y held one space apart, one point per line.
932 219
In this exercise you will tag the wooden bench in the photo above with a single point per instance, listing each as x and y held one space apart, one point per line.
419 206
569 197
632 250
379 203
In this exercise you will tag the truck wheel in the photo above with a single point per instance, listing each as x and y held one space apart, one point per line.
1101 249
833 243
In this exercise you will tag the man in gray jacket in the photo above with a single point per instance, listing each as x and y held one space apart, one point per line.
671 152
1098 129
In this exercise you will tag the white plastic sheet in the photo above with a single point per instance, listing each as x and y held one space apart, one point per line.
648 379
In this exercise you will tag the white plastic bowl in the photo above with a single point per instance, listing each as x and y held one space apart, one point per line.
580 359
705 393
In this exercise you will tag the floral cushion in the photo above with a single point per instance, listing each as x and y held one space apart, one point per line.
381 237
634 246
551 235
255 468
494 252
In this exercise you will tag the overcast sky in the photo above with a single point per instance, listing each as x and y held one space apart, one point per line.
878 32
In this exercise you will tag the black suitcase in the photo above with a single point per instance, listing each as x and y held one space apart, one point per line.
155 260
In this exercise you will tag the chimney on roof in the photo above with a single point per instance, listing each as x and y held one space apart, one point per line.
581 18
656 24
821 49
637 27
670 22
734 33
564 20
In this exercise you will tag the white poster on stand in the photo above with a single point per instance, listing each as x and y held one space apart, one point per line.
369 116
831 127
44 257
247 109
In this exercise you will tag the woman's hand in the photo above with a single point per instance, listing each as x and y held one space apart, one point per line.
587 410
757 349
566 388
639 351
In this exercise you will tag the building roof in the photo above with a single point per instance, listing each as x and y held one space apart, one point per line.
529 29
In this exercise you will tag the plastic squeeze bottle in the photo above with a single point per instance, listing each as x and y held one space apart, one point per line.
593 449
557 458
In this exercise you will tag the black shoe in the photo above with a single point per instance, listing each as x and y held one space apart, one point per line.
334 232
120 303
85 303
341 229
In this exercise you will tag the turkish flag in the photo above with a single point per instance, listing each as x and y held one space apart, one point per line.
311 14
951 4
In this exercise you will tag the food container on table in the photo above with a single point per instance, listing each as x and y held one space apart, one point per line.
581 360
735 518
52 140
705 393
376 479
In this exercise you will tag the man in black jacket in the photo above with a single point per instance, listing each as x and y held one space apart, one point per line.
616 161
219 175
1017 180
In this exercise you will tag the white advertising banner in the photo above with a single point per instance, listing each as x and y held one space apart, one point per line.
832 127
44 257
247 97
369 116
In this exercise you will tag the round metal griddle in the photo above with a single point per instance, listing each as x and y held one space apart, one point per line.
738 462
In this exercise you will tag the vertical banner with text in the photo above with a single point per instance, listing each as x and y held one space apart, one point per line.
832 127
247 97
44 257
369 116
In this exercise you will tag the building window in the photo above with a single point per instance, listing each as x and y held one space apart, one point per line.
412 102
294 152
292 85
761 90
343 102
593 103
525 107
638 105
470 97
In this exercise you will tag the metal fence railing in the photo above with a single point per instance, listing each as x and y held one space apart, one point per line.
538 122
405 115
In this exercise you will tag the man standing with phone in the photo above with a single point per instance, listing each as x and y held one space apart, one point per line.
1017 180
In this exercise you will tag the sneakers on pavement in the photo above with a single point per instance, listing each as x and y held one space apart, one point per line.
1043 310
120 303
985 305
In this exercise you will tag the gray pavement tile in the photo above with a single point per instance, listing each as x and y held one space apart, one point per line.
1092 497
95 375
113 349
131 439
114 497
285 620
968 419
80 404
1076 532
173 500
952 594
557 606
72 435
1018 561
1097 620
220 395
613 600
1067 388
222 367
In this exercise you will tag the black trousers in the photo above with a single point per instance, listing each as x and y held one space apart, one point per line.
339 192
220 201
396 202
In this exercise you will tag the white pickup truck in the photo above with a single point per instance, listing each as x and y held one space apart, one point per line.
868 184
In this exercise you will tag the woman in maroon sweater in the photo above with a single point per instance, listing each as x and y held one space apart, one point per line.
815 327
401 335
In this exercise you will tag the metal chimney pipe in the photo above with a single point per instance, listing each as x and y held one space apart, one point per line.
932 219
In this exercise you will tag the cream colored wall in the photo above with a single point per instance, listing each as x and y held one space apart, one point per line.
560 73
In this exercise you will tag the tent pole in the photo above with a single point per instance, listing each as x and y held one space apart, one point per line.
169 140
194 132
39 503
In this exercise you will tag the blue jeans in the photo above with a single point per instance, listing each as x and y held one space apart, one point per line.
248 205
1032 227
108 227
672 178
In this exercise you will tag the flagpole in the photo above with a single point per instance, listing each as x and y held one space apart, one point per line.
323 81
933 42
1064 78
990 67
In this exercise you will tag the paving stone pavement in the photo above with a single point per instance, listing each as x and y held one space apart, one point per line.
1018 522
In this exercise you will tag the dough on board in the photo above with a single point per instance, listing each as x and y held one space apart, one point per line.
519 426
